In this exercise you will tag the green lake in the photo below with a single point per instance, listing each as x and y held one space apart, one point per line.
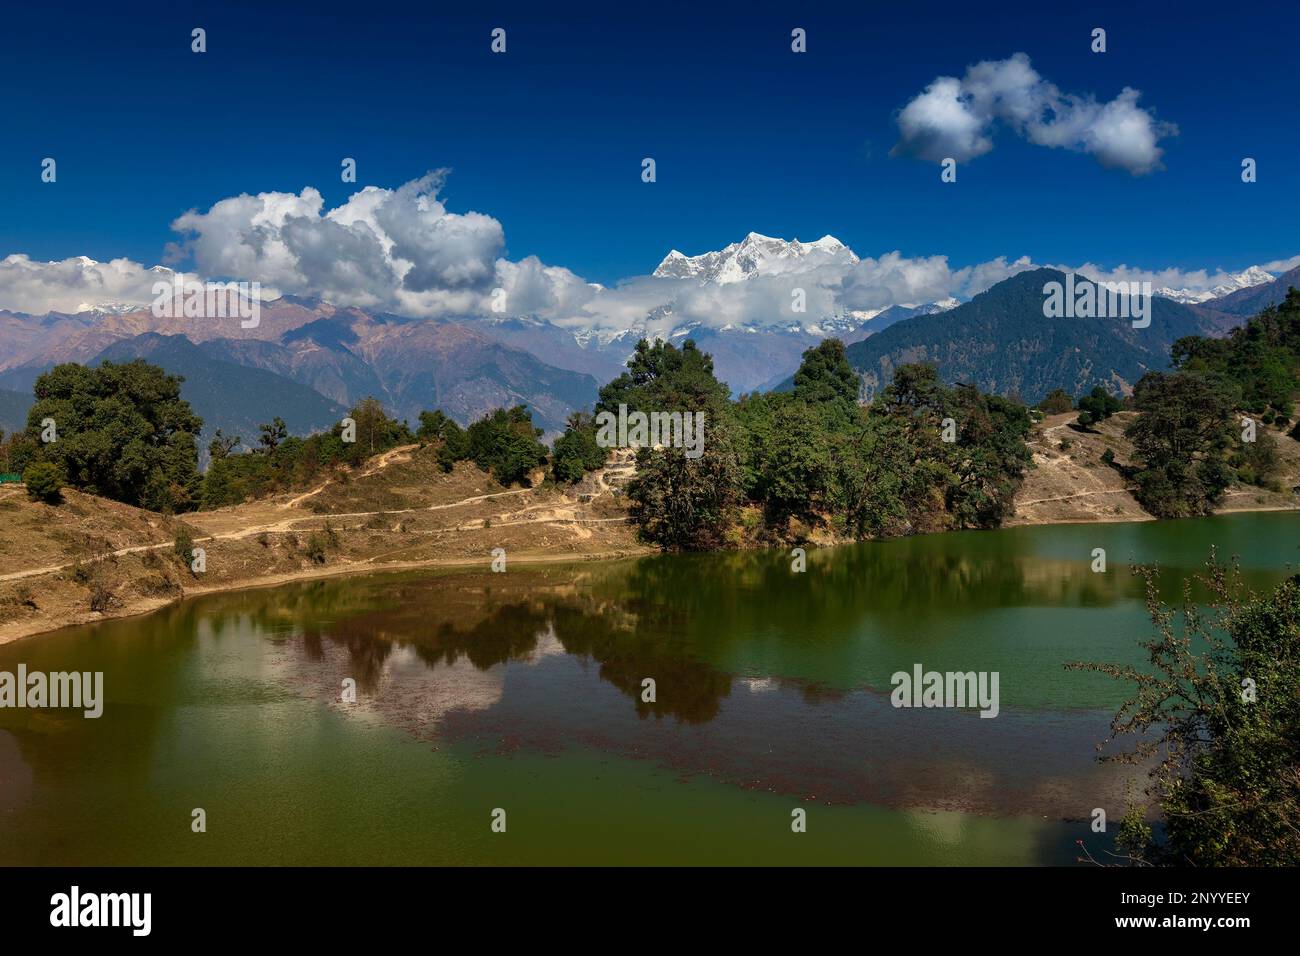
523 691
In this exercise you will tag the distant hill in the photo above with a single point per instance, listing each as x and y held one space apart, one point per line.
344 354
231 397
1001 342
13 409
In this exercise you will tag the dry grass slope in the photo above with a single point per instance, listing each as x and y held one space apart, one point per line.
1070 483
400 510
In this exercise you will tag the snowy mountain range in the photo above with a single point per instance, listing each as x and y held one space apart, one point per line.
1236 281
755 255
734 302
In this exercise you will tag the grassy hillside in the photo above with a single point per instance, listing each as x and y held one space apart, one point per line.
1069 481
89 558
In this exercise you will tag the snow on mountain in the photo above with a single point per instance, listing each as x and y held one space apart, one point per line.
109 308
1236 281
753 256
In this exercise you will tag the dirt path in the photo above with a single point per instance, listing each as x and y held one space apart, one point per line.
286 527
1081 494
377 464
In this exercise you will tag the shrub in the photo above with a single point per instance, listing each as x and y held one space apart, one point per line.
44 482
315 549
1223 765
184 545
101 597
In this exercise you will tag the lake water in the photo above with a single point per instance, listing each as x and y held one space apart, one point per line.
523 691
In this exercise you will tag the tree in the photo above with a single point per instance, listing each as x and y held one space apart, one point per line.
825 377
663 378
1180 436
797 472
688 504
44 482
1097 406
505 444
1260 359
273 433
453 443
577 452
1219 713
1058 400
222 445
376 432
122 431
988 459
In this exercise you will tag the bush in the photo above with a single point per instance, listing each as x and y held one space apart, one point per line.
184 545
1224 766
101 597
44 482
1058 400
315 550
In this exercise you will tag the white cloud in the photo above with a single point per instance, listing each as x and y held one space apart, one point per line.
74 285
956 118
401 250
1281 265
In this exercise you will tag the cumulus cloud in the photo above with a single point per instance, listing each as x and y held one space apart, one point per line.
397 249
401 250
957 117
74 285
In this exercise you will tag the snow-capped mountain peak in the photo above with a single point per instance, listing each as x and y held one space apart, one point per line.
755 255
1235 281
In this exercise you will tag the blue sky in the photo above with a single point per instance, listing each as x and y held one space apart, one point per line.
548 138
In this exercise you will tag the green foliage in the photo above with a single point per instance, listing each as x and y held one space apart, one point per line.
681 503
1261 359
663 378
453 445
1097 406
815 457
272 434
826 378
44 482
316 546
1257 463
222 445
183 546
504 443
283 462
123 432
1217 712
376 432
685 504
1058 400
1180 437
576 451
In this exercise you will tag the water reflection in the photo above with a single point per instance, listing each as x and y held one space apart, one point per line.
765 680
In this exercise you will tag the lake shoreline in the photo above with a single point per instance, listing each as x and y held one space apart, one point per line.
20 630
